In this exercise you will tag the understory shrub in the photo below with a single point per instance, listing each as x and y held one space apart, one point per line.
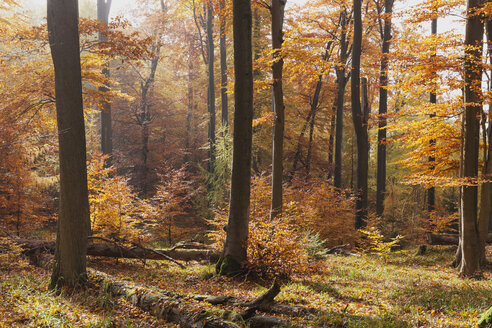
315 216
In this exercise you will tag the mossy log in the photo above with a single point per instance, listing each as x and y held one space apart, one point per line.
32 246
162 304
180 310
485 319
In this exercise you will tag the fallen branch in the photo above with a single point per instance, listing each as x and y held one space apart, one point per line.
339 250
39 246
264 303
448 238
266 299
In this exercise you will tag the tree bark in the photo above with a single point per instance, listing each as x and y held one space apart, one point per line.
211 88
189 112
383 109
359 119
236 243
485 214
473 77
73 220
277 11
342 82
331 141
431 192
223 67
144 118
103 8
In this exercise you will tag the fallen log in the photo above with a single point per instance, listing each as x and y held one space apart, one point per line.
264 303
448 238
118 251
178 309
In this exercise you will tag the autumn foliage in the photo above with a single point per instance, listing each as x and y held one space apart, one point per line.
279 247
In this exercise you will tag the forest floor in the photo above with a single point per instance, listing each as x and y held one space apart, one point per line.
398 290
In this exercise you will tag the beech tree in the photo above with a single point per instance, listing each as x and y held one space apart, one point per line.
223 66
385 32
431 192
103 7
211 86
470 254
342 79
234 253
277 10
359 119
73 220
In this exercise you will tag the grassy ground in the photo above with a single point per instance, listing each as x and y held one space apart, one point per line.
401 290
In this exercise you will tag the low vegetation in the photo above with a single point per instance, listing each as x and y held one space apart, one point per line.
398 290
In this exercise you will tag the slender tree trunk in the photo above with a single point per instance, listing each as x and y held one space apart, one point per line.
431 192
331 141
360 124
234 254
73 220
485 214
342 82
223 66
473 76
144 119
277 11
256 75
189 113
298 154
103 8
145 156
211 88
310 117
383 109
310 142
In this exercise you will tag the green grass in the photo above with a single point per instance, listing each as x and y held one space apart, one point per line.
400 290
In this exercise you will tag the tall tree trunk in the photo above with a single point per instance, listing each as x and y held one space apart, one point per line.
256 75
211 88
342 82
73 220
473 78
236 243
485 214
223 66
103 7
144 118
431 192
189 112
310 142
360 124
331 141
383 109
298 154
277 11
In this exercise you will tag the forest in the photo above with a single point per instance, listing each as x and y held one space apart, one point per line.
246 163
